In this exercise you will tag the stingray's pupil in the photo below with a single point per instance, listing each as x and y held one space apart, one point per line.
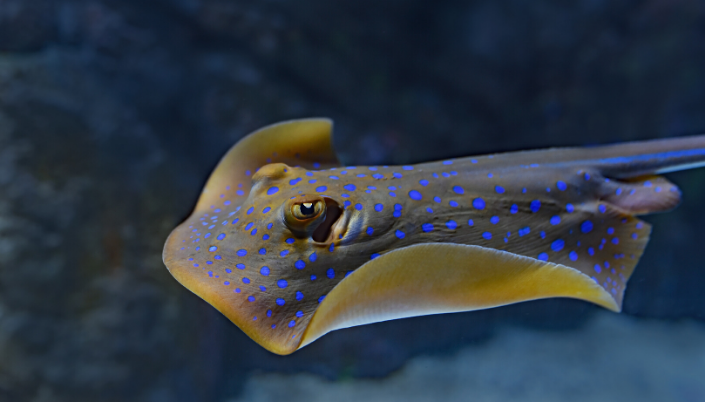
307 210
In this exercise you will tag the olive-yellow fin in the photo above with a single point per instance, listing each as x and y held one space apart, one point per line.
435 278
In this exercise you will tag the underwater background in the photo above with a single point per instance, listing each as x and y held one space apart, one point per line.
114 112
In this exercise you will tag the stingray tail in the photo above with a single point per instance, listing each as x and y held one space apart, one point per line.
635 159
630 172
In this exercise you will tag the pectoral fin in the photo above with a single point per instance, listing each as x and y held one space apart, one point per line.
306 143
435 278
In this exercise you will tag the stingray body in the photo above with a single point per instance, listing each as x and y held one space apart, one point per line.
289 245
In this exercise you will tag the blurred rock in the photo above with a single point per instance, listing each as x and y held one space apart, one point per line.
113 113
638 361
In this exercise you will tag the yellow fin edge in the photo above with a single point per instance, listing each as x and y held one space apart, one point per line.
435 278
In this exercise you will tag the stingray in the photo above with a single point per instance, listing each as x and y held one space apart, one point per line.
289 245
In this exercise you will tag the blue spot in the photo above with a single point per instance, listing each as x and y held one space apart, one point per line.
300 264
221 236
445 174
397 214
282 283
423 182
249 211
272 190
373 256
321 189
427 227
269 226
212 248
400 234
610 231
330 273
320 299
573 256
280 302
602 208
437 199
452 225
478 203
586 227
397 175
429 210
470 222
615 240
245 280
555 220
358 206
265 237
391 194
290 240
524 231
264 271
251 298
557 245
398 207
269 313
264 211
333 177
535 206
570 208
561 185
313 257
347 204
299 297
241 253
370 231
453 204
263 251
294 181
284 253
407 167
253 232
494 220
447 162
372 168
379 207
514 209
349 187
487 235
332 247
393 188
312 181
299 313
458 190
591 251
240 266
217 257
415 195
313 277
378 176
543 257
598 268
499 189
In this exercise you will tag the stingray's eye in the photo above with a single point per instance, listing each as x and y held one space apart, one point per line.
307 210
312 216
303 215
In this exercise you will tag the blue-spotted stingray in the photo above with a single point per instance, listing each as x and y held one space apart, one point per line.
289 245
